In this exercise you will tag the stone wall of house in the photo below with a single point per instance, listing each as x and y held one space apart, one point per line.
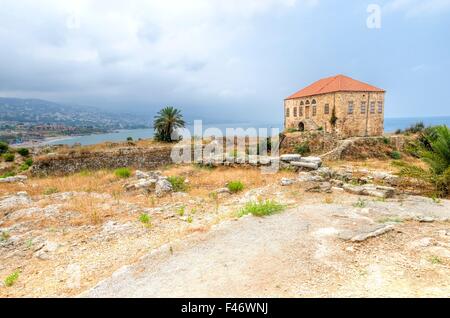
314 112
139 158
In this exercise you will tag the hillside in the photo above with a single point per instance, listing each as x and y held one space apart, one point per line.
40 112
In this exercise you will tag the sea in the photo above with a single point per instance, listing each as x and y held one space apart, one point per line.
390 125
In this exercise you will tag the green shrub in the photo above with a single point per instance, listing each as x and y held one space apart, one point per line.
29 162
396 155
24 167
23 152
9 157
262 208
398 132
122 173
3 147
386 140
7 174
129 138
11 279
291 130
302 149
415 128
178 183
145 218
50 190
235 186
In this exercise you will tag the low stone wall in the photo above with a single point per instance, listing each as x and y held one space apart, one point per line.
319 142
139 158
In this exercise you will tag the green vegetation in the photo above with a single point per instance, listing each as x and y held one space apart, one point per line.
129 138
432 147
122 173
4 236
166 122
235 186
291 130
24 152
386 140
178 183
360 203
417 127
189 219
435 259
9 157
262 208
7 174
302 149
50 190
333 119
396 155
11 279
144 218
3 147
29 162
394 219
181 211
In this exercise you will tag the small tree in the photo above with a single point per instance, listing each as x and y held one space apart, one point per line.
3 147
333 119
166 121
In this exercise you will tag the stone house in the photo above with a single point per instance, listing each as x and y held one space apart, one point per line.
358 108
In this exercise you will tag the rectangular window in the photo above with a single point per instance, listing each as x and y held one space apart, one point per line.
326 110
380 107
363 107
300 110
350 108
314 110
287 112
372 107
295 111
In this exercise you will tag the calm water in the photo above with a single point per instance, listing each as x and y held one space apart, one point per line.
390 125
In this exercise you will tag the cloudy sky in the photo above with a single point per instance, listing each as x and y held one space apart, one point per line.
222 59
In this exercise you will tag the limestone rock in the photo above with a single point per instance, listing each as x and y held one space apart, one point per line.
13 179
286 182
290 157
162 187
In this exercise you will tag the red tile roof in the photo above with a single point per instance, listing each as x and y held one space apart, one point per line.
338 83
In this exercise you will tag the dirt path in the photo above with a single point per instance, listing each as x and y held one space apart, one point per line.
303 252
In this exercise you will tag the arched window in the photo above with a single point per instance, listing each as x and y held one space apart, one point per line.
301 103
313 102
307 102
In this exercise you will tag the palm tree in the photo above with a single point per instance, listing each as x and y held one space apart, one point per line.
433 148
166 121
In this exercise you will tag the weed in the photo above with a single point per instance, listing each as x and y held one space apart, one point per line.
262 208
9 157
302 149
12 278
235 186
145 218
189 219
178 183
360 203
122 173
396 155
181 211
435 259
394 219
4 236
50 190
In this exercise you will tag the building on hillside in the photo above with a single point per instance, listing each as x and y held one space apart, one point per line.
358 108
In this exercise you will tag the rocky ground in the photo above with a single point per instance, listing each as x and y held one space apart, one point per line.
345 232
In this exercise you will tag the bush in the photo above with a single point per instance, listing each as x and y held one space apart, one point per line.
9 157
386 141
50 190
398 132
7 174
129 138
433 147
11 279
3 147
396 155
29 162
178 183
235 186
291 130
417 127
302 149
122 173
144 218
24 152
262 208
24 167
